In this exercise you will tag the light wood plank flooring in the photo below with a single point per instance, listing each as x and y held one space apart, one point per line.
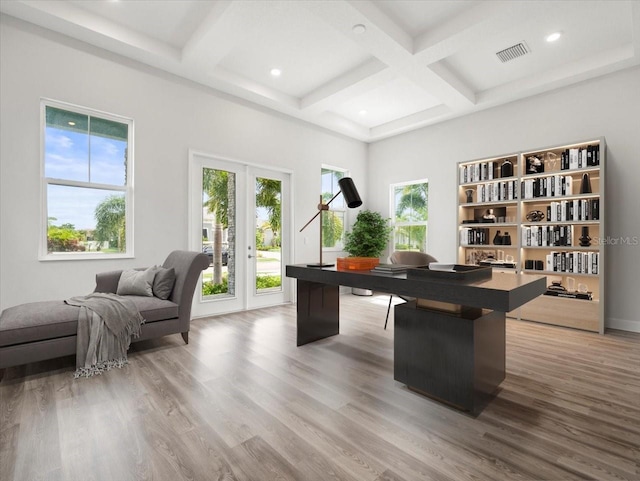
242 402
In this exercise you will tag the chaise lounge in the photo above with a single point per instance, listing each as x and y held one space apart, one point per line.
45 330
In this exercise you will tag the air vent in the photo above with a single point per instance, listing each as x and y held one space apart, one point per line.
512 52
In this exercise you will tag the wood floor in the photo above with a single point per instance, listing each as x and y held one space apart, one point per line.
242 402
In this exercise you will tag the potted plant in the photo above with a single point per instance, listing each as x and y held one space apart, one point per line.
365 243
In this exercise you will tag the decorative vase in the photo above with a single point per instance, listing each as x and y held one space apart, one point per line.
469 193
506 239
585 185
506 169
585 240
497 239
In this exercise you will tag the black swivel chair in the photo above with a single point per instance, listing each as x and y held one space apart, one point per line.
409 258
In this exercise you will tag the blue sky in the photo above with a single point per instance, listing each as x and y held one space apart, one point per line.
69 156
330 184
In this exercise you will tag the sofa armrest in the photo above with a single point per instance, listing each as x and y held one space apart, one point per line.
107 281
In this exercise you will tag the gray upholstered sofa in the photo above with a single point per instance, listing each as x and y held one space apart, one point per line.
46 330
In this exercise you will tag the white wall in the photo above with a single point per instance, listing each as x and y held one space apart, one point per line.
608 106
171 116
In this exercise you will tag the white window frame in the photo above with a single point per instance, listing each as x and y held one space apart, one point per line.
392 211
46 181
335 209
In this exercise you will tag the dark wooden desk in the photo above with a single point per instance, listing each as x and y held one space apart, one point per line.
455 358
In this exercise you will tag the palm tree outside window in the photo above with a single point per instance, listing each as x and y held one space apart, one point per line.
410 207
333 220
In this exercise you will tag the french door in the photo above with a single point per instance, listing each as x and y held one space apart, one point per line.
240 217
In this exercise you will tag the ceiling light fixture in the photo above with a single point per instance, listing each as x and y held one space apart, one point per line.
363 112
276 72
71 123
553 37
359 29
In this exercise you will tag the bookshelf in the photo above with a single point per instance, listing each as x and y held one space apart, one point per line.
552 208
488 207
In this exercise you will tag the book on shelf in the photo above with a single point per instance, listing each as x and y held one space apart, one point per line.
573 262
587 296
580 158
574 210
553 186
474 236
547 235
476 172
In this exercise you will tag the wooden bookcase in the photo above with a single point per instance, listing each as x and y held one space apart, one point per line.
545 183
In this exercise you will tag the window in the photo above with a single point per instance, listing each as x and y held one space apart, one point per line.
87 188
410 207
333 219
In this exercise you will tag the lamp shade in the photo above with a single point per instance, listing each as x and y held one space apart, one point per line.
350 193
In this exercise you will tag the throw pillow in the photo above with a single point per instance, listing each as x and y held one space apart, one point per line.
163 282
136 283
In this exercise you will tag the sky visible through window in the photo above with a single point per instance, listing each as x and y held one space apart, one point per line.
78 156
329 180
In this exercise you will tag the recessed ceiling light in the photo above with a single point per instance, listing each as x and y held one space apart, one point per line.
363 112
276 72
71 123
553 37
359 29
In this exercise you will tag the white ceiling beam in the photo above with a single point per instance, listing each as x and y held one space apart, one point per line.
242 84
410 122
357 81
443 84
453 80
464 30
219 32
233 84
382 39
337 123
394 33
88 27
391 45
602 63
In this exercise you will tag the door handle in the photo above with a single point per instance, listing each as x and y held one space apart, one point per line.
250 256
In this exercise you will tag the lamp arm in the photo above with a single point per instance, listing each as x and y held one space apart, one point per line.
311 220
321 207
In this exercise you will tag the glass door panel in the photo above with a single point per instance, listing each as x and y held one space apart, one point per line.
268 228
268 244
218 232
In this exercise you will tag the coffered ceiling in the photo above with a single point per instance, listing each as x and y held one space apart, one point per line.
366 69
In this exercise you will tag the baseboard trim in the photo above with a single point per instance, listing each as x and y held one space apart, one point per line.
623 325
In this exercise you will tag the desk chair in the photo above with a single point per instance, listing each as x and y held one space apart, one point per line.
409 258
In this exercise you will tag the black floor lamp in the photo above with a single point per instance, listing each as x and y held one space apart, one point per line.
351 196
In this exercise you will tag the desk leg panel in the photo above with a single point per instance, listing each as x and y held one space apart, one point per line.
318 311
489 356
456 360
